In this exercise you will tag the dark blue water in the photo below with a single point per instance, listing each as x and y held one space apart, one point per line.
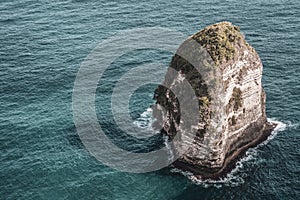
42 45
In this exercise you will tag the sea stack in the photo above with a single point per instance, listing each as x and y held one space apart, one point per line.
225 73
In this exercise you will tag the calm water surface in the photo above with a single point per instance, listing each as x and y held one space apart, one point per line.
42 45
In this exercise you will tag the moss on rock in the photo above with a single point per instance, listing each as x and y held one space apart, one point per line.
220 40
237 98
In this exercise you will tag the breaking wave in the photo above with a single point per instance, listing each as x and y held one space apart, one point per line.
145 120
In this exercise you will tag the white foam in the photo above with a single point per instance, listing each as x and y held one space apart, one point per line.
292 125
236 176
280 127
169 148
145 120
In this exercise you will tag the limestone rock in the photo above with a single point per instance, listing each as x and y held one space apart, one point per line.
226 77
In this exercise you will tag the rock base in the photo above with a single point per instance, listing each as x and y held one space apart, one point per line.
231 159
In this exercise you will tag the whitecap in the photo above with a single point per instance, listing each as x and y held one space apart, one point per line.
145 120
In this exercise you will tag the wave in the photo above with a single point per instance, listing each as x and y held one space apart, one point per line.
169 148
292 125
236 176
145 120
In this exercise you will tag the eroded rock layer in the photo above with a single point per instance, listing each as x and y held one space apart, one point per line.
230 97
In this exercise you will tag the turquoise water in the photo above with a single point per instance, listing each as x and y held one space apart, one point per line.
42 45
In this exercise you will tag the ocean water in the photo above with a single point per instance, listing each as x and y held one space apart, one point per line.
42 46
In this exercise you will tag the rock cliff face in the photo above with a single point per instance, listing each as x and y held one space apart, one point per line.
228 89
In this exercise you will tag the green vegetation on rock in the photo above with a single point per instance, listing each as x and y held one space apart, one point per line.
236 98
220 40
